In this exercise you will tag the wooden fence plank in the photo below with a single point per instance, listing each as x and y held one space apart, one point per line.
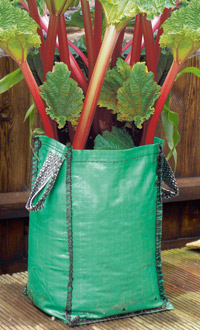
15 153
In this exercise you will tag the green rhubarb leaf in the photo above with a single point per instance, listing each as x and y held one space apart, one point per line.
10 80
119 12
182 31
137 96
117 139
62 95
18 31
170 124
154 7
58 7
113 81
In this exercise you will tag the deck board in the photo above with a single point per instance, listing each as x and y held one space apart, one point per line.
181 270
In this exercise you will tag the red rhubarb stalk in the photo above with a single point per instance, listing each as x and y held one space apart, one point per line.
97 26
137 40
34 89
63 43
50 43
165 90
149 45
95 85
89 36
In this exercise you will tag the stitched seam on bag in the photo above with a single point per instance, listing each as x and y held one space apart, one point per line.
35 158
112 162
69 234
158 227
76 322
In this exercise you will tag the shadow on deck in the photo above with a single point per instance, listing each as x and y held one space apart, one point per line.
181 270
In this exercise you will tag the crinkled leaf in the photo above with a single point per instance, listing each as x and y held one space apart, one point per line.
119 12
191 69
154 7
10 80
62 95
113 81
170 124
182 31
117 139
18 31
137 96
58 7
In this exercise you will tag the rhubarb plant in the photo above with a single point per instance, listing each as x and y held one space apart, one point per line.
182 35
114 98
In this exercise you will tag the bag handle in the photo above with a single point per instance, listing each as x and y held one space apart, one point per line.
169 179
46 177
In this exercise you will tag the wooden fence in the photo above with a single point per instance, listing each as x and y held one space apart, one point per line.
181 216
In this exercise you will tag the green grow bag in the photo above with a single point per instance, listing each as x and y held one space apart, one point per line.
95 231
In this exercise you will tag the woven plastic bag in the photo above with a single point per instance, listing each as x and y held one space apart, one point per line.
95 231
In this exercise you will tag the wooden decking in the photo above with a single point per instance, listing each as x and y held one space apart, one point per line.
181 269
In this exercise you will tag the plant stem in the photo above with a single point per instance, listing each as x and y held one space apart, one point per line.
94 89
137 40
97 26
34 89
165 90
32 6
88 35
50 43
149 45
63 43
